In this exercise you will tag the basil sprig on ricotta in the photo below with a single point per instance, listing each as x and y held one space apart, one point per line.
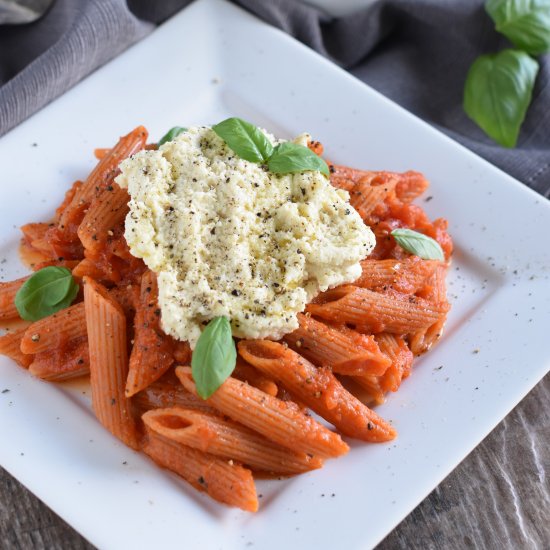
46 292
251 144
214 357
172 134
248 141
418 244
290 157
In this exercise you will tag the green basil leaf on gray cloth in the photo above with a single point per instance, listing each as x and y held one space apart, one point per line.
526 23
498 91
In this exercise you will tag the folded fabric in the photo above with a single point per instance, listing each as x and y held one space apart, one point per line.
416 52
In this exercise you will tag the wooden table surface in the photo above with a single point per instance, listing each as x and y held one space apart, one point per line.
499 497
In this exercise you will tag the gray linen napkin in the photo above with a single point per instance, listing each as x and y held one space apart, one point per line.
416 52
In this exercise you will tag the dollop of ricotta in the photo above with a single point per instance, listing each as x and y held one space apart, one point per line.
228 238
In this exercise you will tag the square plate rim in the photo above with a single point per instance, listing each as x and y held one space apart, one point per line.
502 175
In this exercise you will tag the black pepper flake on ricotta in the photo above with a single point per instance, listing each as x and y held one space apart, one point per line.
228 238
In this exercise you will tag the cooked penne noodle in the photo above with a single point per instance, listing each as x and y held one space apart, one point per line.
406 276
106 212
247 373
69 264
55 330
371 190
401 360
435 291
410 186
319 389
164 393
225 438
35 232
223 480
102 175
106 325
344 351
277 420
88 268
69 194
10 345
371 384
100 152
342 182
374 312
153 351
64 363
346 172
8 290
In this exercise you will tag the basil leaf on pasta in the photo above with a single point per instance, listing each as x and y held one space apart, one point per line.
289 157
247 140
214 357
418 244
46 292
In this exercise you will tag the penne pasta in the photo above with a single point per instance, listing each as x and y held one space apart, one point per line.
8 311
276 420
106 324
435 291
227 439
354 342
346 172
344 351
410 186
406 276
223 480
165 393
371 190
10 345
401 357
371 385
319 389
247 373
101 176
374 312
54 330
62 363
88 268
153 351
105 213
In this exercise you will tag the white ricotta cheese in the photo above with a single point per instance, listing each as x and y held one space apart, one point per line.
228 238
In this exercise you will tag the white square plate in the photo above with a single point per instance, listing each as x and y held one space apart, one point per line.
210 61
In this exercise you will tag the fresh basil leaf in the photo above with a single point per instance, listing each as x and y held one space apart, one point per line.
289 157
418 244
45 292
526 23
248 141
498 91
214 357
172 134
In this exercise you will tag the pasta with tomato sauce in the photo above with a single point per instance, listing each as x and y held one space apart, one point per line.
351 345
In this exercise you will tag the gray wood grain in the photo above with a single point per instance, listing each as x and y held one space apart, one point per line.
499 497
